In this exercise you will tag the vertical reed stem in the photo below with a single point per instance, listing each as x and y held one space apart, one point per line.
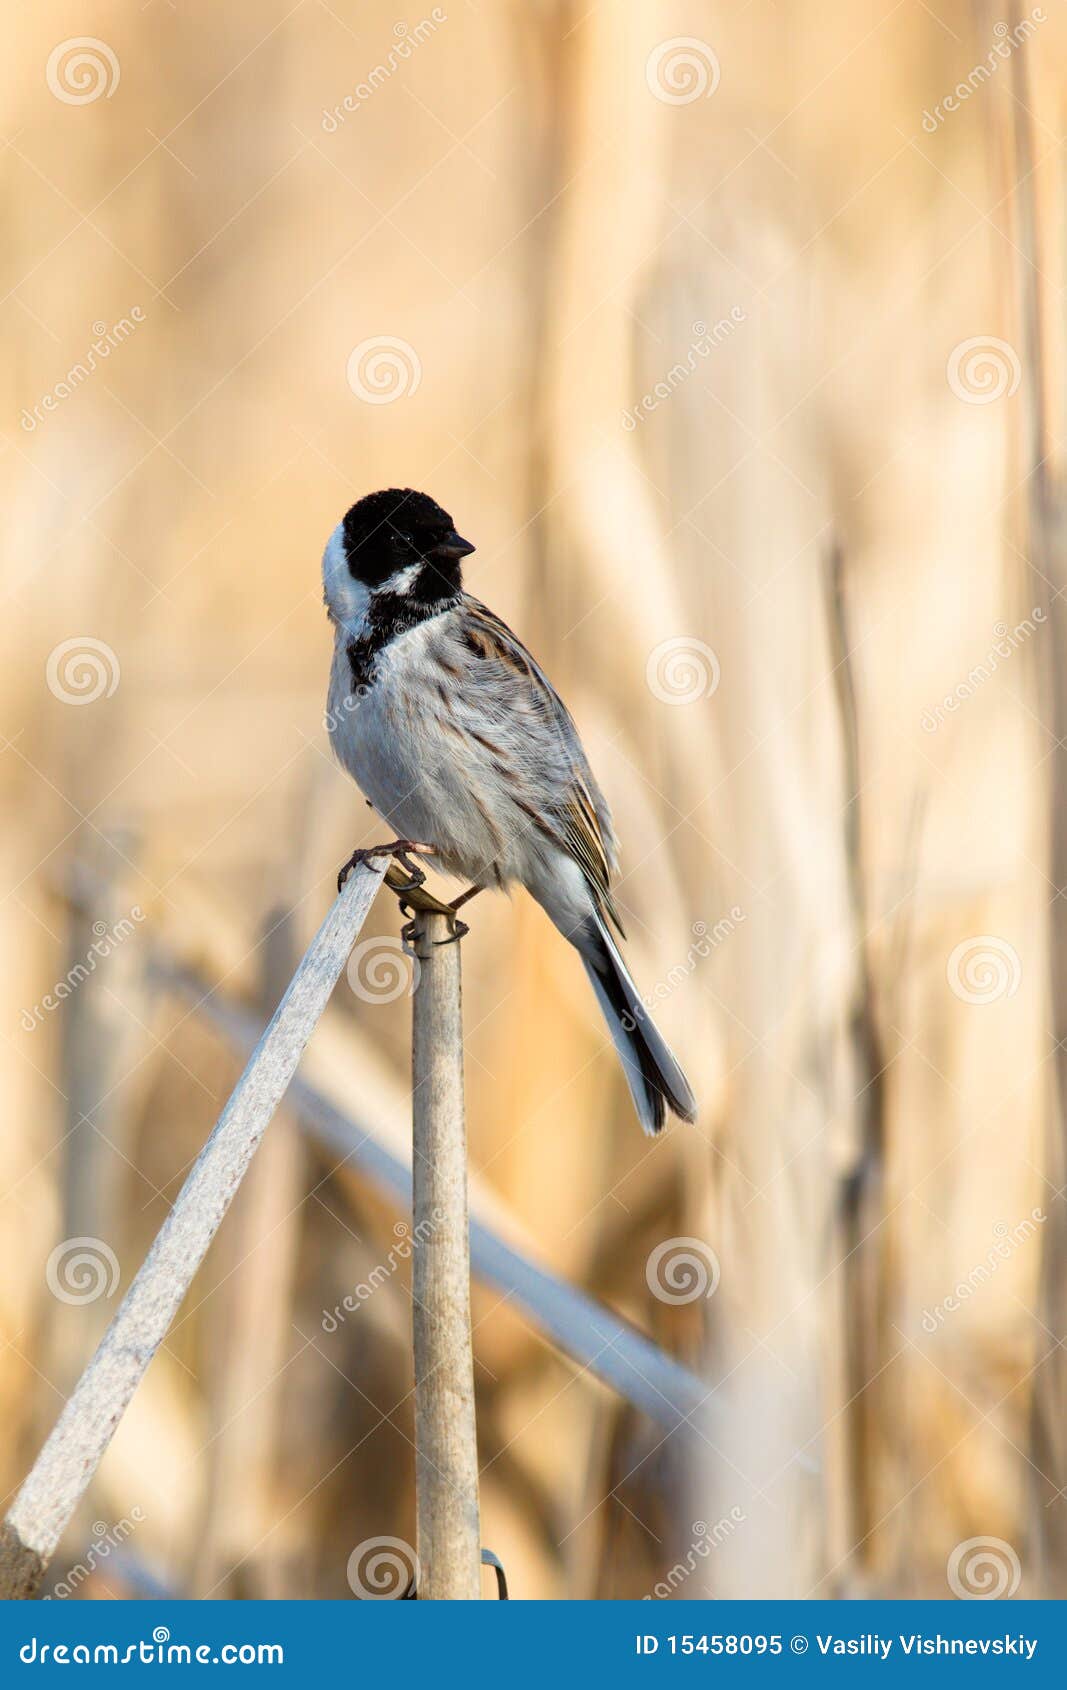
446 1460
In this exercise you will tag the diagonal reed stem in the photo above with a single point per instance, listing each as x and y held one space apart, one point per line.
55 1484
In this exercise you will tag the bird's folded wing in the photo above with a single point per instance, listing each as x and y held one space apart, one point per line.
579 820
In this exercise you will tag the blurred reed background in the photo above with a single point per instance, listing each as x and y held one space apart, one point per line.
734 338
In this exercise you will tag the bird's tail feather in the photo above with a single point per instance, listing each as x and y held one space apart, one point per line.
655 1080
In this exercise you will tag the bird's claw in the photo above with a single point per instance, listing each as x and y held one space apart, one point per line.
458 930
417 877
401 850
398 848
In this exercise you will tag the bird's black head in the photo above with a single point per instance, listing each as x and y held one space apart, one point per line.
388 532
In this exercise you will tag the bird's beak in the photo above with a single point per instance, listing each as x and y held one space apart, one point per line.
452 546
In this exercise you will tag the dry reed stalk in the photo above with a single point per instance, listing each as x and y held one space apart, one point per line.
446 1440
255 1296
71 1455
256 1293
1033 252
377 1144
590 1334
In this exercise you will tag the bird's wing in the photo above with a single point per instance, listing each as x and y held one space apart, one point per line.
578 817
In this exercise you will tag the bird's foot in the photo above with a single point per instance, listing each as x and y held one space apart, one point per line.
402 850
457 930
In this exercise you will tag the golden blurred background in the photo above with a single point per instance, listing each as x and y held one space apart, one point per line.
733 336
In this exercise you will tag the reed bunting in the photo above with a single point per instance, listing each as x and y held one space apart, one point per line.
459 741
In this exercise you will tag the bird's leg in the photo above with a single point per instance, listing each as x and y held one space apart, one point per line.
414 898
459 929
398 848
456 929
465 897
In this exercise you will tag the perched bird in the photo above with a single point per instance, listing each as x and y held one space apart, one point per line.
460 743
